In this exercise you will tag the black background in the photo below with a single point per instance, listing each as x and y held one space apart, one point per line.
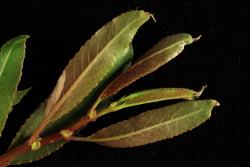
59 28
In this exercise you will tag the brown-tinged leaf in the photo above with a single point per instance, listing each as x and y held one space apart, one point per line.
95 61
164 51
154 125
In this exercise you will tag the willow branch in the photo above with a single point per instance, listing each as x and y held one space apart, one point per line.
6 158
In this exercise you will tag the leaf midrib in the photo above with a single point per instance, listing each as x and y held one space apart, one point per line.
158 52
78 80
5 61
142 130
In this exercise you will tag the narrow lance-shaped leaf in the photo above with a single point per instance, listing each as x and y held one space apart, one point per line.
150 96
164 51
154 125
92 64
19 95
11 63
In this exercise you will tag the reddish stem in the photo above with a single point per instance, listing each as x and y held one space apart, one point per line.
6 158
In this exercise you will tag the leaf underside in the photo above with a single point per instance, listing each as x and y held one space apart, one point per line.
164 51
11 63
154 125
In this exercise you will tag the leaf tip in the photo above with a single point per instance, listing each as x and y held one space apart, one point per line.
23 37
152 16
216 103
149 15
197 38
26 36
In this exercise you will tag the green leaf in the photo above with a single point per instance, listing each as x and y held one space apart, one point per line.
11 62
95 61
154 125
164 51
19 95
25 132
150 96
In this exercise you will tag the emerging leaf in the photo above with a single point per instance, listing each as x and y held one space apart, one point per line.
95 61
154 125
164 51
11 63
150 96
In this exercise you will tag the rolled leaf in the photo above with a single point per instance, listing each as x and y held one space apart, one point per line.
19 95
150 96
11 63
95 61
164 51
154 125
